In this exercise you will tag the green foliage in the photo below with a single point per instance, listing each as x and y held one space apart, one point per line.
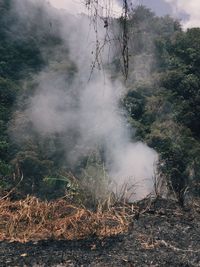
8 92
5 169
134 103
94 182
17 57
33 168
162 103
168 118
22 45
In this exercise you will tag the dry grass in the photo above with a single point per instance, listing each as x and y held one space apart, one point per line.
32 219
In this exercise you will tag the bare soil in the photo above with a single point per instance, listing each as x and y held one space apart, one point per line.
163 235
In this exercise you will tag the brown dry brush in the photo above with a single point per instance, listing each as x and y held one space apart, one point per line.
33 219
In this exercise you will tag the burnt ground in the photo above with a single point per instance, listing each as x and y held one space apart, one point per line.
164 235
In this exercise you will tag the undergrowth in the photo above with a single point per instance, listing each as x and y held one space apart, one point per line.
33 219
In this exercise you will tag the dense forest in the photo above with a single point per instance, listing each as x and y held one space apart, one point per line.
162 103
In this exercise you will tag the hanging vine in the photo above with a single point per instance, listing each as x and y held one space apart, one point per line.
125 48
103 10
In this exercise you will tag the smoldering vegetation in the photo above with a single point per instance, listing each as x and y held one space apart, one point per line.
75 127
80 145
77 105
163 235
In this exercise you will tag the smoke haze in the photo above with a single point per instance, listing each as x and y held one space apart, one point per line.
86 112
78 6
187 11
191 8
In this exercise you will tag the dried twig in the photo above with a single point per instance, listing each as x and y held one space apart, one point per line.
163 242
13 189
32 219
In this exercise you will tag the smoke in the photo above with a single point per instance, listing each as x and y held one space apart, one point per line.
190 8
78 6
87 112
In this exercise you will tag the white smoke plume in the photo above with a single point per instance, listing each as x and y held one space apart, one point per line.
190 8
90 109
79 6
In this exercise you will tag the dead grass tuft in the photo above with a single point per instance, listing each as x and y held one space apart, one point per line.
33 219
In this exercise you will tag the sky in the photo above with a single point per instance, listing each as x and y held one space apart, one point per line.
78 6
73 6
188 11
160 7
191 8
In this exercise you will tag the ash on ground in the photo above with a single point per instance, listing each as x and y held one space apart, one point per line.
163 234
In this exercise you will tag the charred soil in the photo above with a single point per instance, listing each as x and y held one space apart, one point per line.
162 234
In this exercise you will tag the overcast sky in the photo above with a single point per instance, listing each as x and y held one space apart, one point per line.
186 10
160 7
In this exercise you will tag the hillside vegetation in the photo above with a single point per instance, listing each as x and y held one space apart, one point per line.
162 102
